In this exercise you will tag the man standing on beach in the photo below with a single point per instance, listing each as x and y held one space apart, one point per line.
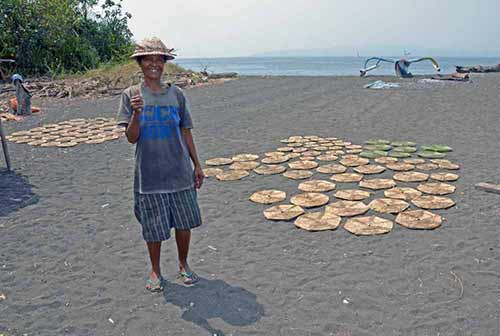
158 121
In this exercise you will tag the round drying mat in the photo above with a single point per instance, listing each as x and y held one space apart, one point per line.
327 157
293 155
20 133
400 166
294 145
433 202
318 221
273 154
347 208
369 169
385 160
352 194
232 175
298 174
320 148
284 149
419 220
353 147
49 144
377 184
444 177
311 153
37 142
411 177
95 141
346 177
303 165
436 188
299 150
67 144
399 154
354 161
331 169
244 165
283 212
402 193
275 159
245 157
368 226
23 140
354 151
309 199
388 205
414 161
427 166
316 186
218 161
268 196
449 166
431 155
269 169
440 161
211 172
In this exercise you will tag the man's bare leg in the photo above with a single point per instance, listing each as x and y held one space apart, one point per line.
154 249
183 238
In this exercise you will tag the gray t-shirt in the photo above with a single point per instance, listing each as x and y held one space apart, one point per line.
162 161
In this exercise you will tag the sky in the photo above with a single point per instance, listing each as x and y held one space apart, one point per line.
232 28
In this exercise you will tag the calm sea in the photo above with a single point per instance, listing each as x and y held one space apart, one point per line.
317 66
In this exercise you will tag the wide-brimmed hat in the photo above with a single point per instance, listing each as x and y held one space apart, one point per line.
153 46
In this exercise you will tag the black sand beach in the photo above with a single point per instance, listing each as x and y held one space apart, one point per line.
72 260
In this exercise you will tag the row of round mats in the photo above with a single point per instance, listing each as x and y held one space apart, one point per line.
309 150
70 133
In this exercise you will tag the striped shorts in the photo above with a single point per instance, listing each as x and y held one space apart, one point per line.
159 213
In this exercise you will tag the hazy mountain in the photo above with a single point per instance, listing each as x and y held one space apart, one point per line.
379 51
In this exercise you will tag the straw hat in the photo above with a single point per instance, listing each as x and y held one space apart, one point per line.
400 166
444 177
346 177
377 184
153 46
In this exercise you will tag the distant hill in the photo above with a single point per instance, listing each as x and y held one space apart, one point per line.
379 51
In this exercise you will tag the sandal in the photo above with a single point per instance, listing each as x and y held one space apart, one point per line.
154 286
188 278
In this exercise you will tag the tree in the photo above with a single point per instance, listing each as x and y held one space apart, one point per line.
54 36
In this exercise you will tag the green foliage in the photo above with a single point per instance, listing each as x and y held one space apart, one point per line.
61 36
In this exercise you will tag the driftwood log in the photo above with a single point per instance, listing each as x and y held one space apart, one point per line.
478 68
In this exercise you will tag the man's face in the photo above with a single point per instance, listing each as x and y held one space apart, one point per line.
152 66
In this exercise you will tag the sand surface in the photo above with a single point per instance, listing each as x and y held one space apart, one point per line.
72 259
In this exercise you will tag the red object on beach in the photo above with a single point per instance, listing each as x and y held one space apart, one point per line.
13 105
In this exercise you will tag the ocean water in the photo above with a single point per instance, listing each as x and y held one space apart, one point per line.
318 66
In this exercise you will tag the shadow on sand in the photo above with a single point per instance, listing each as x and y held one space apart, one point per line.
15 192
210 299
